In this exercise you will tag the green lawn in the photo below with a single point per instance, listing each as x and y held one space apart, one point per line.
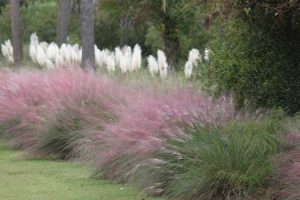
55 180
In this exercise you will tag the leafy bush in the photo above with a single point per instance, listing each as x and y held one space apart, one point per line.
4 24
176 30
256 55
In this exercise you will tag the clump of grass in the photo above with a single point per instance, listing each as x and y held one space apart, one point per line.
85 104
214 161
145 123
60 136
227 162
21 96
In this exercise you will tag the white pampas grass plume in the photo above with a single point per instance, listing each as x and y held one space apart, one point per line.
32 52
44 45
123 64
127 52
74 55
52 51
193 59
124 59
76 47
51 56
7 51
152 65
41 56
136 61
105 59
64 53
194 56
118 55
49 65
34 40
110 62
98 57
188 69
59 61
68 54
162 64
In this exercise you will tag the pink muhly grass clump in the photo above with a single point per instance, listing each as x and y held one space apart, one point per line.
147 121
83 102
22 96
32 103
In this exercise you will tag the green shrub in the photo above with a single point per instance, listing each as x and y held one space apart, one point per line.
4 24
256 55
227 162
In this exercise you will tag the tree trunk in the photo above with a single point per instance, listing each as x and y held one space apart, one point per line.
87 34
63 21
170 37
17 40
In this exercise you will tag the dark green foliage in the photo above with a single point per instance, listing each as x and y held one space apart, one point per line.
176 29
256 54
127 22
39 16
2 4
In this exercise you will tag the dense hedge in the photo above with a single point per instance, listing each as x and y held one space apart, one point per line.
257 55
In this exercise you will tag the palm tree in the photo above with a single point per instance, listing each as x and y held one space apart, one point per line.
17 40
63 21
87 34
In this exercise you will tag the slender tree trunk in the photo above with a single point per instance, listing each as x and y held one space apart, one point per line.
63 21
87 34
17 40
170 37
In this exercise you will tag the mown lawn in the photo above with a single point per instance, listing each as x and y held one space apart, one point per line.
55 180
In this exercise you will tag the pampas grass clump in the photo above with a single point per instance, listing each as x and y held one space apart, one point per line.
7 51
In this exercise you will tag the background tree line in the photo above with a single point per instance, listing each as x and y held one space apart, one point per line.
174 26
255 44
